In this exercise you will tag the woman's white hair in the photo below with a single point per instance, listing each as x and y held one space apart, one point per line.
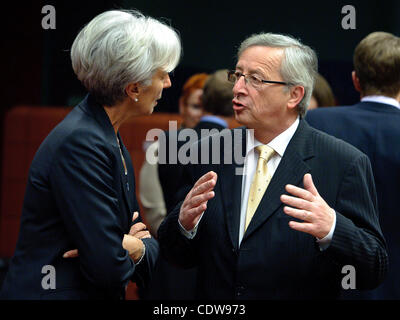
299 65
120 47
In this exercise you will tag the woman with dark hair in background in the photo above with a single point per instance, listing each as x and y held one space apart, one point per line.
190 100
81 189
322 95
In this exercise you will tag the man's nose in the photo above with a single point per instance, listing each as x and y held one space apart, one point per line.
240 86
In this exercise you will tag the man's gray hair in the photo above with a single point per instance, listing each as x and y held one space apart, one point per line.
119 47
299 64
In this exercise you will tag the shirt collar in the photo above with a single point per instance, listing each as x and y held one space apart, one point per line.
279 143
382 99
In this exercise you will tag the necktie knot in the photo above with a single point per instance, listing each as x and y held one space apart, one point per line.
265 152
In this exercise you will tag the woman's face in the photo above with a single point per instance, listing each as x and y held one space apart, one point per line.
149 95
192 110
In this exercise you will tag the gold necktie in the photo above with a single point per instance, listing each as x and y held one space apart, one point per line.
260 182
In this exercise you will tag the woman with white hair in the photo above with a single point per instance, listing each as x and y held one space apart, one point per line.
81 189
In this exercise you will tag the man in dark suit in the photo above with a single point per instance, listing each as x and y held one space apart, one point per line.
373 126
170 282
304 208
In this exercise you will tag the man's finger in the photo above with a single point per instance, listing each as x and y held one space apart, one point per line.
299 214
204 187
208 176
309 184
197 211
299 192
301 226
71 254
135 215
296 202
200 199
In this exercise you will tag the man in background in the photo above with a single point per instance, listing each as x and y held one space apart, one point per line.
373 126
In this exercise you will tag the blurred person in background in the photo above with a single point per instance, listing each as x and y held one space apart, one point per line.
189 102
80 197
322 95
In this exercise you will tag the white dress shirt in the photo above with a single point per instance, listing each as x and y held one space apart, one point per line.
382 99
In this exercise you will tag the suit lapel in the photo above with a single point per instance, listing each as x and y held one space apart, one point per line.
291 170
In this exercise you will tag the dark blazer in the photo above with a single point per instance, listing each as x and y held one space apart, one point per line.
78 196
374 128
170 282
273 260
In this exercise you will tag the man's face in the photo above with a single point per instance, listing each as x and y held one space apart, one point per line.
264 107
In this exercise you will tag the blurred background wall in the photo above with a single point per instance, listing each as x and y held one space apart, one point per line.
37 70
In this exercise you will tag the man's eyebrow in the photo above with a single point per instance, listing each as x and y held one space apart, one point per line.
252 71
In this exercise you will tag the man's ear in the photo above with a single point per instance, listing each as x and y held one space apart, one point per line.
132 90
356 81
296 94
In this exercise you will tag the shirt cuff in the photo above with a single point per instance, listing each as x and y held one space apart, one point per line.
326 241
144 252
191 233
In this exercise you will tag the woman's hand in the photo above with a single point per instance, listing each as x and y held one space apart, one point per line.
134 247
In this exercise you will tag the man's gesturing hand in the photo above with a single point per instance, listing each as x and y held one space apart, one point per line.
318 217
195 202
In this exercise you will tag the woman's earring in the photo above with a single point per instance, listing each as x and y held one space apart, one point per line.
136 99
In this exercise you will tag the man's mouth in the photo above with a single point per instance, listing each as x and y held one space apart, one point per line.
237 106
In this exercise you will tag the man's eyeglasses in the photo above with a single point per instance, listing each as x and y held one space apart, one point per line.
253 80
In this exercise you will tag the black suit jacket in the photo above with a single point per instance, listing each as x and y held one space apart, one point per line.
274 261
373 128
78 196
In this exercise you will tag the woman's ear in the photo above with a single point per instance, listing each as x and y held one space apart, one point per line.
132 90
